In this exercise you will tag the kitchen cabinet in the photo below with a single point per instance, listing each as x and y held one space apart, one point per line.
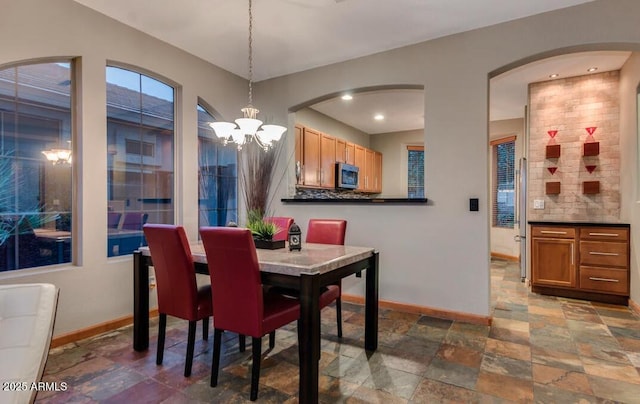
350 150
319 152
341 151
311 146
345 151
553 256
377 172
588 261
369 168
359 161
318 158
327 161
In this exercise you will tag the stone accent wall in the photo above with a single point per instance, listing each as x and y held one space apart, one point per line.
569 106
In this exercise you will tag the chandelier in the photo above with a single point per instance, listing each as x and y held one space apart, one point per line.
58 156
248 128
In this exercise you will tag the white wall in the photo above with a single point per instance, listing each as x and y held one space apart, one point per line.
436 255
446 262
316 120
502 239
629 178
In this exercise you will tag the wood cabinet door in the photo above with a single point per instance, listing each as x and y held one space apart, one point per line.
377 174
350 150
369 164
341 151
328 161
360 162
553 262
311 157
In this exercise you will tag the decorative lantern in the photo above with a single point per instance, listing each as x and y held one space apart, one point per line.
295 237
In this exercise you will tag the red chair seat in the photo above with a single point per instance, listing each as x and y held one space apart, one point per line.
279 310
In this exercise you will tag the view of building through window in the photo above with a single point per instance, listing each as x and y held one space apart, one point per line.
140 160
217 176
35 193
504 180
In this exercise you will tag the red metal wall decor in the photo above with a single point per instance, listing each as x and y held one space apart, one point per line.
552 188
552 170
590 168
591 147
591 187
553 149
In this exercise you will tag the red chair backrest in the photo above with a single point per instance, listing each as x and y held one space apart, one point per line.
235 279
283 224
175 275
326 231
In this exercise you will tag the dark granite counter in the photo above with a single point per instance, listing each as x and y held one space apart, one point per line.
359 201
592 224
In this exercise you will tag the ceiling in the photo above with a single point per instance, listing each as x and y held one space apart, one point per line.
295 35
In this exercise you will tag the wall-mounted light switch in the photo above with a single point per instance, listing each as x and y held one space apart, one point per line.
538 203
473 204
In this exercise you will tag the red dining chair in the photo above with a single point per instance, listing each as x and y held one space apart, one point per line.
178 293
283 224
240 302
329 231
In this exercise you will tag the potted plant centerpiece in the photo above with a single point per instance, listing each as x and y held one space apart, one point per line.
263 231
257 166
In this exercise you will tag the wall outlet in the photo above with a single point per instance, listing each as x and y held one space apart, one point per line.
538 203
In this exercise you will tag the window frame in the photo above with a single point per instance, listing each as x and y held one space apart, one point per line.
495 144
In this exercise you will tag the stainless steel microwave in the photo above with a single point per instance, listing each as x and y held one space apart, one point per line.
346 176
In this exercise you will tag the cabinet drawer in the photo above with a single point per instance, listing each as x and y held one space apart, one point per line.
605 280
553 232
603 254
604 233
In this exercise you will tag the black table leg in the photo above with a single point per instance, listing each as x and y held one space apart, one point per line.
310 337
140 302
371 305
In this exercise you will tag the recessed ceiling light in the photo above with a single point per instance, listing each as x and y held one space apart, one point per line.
553 76
592 69
347 97
378 117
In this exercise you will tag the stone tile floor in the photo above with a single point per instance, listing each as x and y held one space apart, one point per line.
538 349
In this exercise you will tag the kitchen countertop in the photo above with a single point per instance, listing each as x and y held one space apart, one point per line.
362 201
569 223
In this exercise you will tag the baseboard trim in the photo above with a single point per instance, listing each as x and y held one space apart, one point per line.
505 257
428 311
95 330
386 304
635 307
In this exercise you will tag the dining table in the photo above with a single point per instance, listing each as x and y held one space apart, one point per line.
307 270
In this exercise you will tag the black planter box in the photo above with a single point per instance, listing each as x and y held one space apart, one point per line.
269 244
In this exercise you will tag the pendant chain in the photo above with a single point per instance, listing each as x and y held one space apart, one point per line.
250 53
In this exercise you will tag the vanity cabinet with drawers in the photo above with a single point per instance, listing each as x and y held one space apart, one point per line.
581 260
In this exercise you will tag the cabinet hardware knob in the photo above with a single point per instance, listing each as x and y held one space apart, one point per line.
603 253
605 234
594 278
552 232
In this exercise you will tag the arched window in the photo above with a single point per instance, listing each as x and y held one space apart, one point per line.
35 188
217 176
140 160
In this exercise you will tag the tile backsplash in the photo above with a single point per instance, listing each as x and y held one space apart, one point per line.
569 106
